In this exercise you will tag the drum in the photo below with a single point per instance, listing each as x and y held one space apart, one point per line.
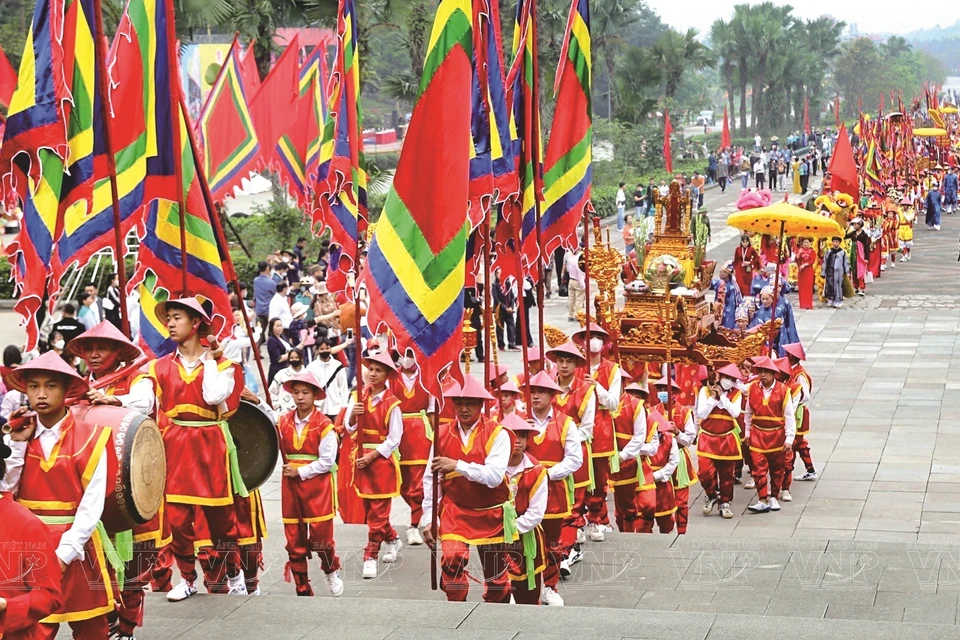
258 444
137 470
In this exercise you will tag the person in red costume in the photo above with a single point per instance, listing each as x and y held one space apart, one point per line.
806 263
58 470
718 447
801 446
556 445
746 262
471 456
197 390
29 569
684 435
770 428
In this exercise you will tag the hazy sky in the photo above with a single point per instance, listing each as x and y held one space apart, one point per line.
879 17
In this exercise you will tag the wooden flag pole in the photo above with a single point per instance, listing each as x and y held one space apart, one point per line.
103 85
222 240
521 319
173 67
488 345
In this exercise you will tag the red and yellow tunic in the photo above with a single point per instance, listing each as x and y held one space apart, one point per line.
719 437
686 473
627 415
574 404
445 413
803 416
52 489
646 482
157 530
604 444
310 500
251 525
417 432
548 449
196 435
380 478
470 512
768 432
523 486
666 499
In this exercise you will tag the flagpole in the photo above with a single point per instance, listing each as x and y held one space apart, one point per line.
222 240
173 64
119 247
487 311
586 284
537 181
521 319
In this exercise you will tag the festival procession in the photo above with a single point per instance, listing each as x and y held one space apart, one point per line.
410 368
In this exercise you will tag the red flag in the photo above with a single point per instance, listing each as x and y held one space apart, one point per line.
836 111
8 80
248 68
843 167
667 130
725 134
881 102
274 106
806 115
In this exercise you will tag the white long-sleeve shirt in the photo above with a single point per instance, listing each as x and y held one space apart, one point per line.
490 474
90 508
140 398
394 426
587 420
12 400
789 415
338 394
688 433
609 398
572 451
280 308
638 446
217 385
664 474
706 403
327 452
529 519
284 400
804 389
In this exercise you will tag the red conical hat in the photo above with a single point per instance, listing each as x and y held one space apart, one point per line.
52 363
633 386
662 382
784 365
189 302
543 380
663 425
533 354
382 358
497 371
595 330
305 377
471 389
763 362
508 387
568 348
731 371
796 350
515 423
105 332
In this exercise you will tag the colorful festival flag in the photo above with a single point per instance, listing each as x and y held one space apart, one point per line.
871 167
274 106
415 267
568 167
341 184
8 80
667 151
229 139
843 167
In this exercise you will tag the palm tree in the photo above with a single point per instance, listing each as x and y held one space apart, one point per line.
676 53
638 78
895 46
723 43
742 51
608 19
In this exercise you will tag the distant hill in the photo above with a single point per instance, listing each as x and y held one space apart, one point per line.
934 33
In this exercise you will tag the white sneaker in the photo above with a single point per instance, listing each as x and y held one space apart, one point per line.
883 267
581 536
807 476
369 569
576 555
606 528
182 591
414 539
893 263
759 507
236 585
390 551
256 593
550 598
785 496
838 305
750 483
596 533
774 504
334 583
565 570
725 511
708 504
903 258
936 227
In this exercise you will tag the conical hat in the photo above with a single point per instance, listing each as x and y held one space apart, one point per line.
731 371
49 362
470 389
595 330
105 332
568 348
796 350
383 358
543 380
515 423
189 302
305 377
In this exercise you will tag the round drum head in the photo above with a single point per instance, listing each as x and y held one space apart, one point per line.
258 445
148 469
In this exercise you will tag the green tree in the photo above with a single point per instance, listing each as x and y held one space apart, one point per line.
857 72
724 44
676 53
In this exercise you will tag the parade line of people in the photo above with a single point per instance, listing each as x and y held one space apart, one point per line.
524 466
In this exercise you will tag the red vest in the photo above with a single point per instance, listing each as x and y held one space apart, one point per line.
603 445
470 512
686 473
52 488
197 461
719 437
574 404
380 478
305 501
803 414
522 488
623 431
549 450
417 434
767 433
646 469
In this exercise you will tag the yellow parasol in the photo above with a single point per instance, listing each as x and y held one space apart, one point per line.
784 218
929 132
949 110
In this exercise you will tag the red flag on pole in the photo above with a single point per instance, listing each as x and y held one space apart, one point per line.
843 167
725 134
806 115
667 130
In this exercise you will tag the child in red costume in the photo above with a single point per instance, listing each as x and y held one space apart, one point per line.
770 420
